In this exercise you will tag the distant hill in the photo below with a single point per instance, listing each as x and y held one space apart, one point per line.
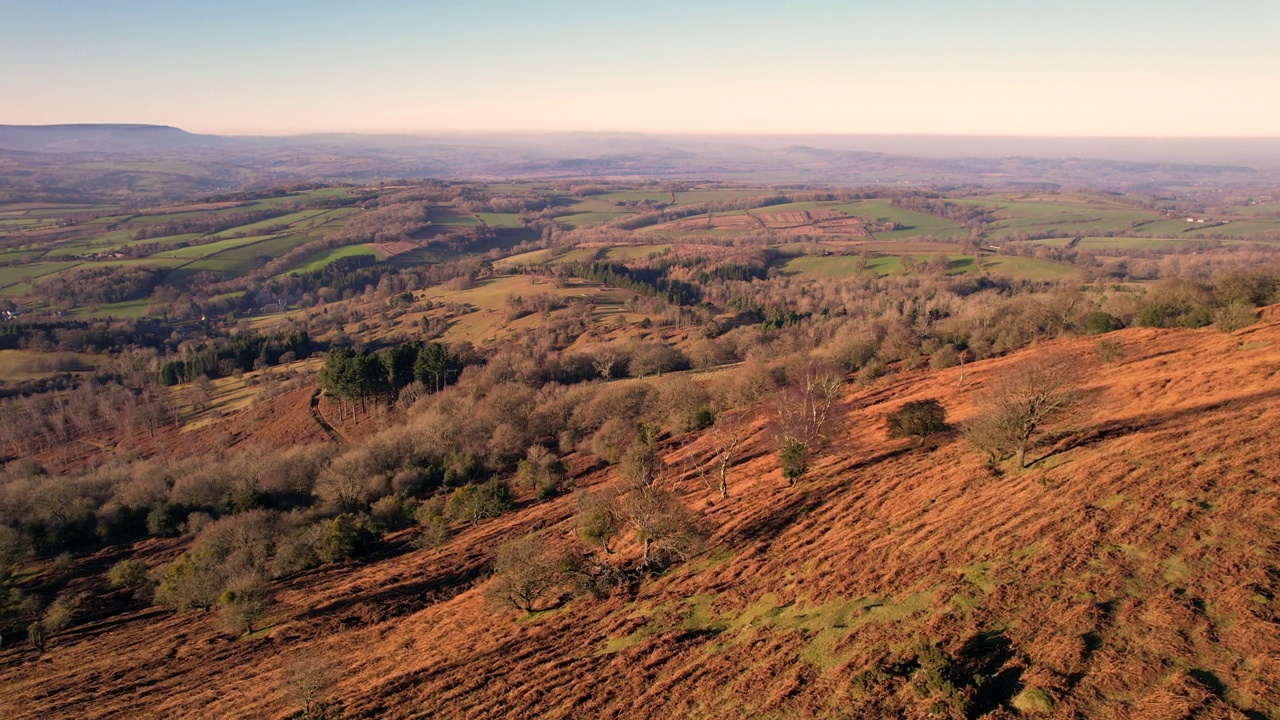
1126 164
102 138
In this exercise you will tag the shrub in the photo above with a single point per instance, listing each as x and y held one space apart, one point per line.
393 512
944 357
473 503
244 602
1099 322
542 472
346 537
793 457
309 681
37 635
918 418
1033 700
128 573
434 534
60 614
192 581
598 518
1109 350
165 520
1234 316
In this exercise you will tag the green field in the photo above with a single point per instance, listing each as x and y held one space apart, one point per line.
322 260
817 267
27 364
588 218
1028 268
695 197
500 220
632 252
33 271
913 224
213 248
291 219
575 255
657 196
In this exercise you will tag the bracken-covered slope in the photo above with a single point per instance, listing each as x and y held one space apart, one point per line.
1131 572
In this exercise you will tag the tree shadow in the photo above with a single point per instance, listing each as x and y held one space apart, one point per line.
1065 442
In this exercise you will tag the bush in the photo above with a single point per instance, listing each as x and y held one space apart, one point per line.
165 520
473 503
434 534
192 581
244 602
393 512
346 537
793 457
1033 700
919 419
1109 350
542 472
128 573
1020 403
598 520
37 635
1099 322
1233 317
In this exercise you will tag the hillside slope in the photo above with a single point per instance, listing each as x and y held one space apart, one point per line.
1133 571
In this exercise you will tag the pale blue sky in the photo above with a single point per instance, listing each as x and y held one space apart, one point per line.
1088 67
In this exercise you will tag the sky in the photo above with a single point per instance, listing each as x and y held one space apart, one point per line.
1164 68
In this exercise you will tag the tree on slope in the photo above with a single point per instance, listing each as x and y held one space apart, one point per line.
1020 402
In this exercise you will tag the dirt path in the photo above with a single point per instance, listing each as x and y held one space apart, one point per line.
315 412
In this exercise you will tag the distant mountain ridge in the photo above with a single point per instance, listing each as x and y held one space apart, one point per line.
1120 164
103 137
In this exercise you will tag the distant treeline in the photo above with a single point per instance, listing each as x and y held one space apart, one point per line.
651 282
99 285
351 375
243 352
206 224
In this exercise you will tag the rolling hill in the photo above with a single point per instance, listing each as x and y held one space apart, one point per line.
1130 571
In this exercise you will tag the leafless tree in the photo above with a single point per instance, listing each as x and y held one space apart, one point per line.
800 415
728 435
309 681
1020 402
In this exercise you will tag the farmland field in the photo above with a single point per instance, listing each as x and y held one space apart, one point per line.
914 224
588 218
499 220
327 257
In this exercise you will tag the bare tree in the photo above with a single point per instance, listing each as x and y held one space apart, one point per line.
604 362
800 416
309 681
728 435
1020 402
526 569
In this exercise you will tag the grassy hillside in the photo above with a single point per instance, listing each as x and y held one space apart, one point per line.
1130 571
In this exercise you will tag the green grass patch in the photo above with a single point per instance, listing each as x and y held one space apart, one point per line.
28 364
914 224
588 218
327 257
213 248
32 271
632 252
500 220
130 309
1028 268
451 217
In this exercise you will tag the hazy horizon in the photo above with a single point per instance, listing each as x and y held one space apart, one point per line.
990 69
